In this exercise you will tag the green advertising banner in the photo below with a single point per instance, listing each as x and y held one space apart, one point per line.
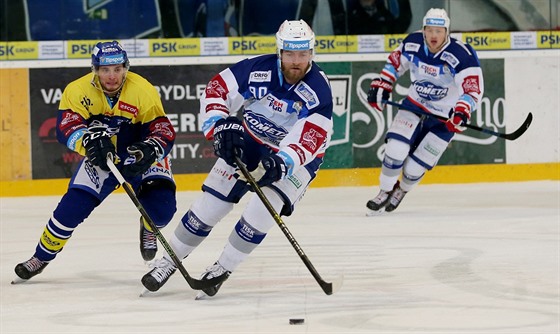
357 139
368 127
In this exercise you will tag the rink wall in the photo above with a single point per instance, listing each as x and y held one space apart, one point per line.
517 82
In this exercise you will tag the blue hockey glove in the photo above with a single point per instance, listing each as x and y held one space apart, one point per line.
98 145
228 139
143 154
274 170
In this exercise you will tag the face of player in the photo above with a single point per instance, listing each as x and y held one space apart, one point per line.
111 77
435 37
295 64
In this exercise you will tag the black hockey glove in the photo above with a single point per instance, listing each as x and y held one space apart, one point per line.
380 90
143 154
228 139
275 170
98 145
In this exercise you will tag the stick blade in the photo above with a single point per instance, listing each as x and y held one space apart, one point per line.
197 284
330 288
517 133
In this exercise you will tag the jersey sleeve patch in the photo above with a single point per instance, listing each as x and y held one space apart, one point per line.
217 88
307 94
471 84
395 59
312 137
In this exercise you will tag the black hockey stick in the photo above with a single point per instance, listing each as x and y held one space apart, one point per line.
327 287
194 283
509 136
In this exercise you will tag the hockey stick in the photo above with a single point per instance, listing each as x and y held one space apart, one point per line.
509 136
194 283
327 287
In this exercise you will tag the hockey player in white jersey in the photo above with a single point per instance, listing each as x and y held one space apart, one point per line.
446 80
283 135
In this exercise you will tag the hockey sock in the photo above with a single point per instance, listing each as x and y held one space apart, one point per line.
75 206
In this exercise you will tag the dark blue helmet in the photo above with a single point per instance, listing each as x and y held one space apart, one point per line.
108 53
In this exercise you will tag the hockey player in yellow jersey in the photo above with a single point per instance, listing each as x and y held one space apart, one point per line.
111 112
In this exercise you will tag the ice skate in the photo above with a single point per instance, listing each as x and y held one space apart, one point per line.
396 198
375 206
28 269
156 278
148 242
214 270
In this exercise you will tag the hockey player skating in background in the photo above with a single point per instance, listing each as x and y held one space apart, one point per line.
112 112
286 128
446 80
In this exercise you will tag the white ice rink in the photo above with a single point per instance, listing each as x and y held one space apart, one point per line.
469 258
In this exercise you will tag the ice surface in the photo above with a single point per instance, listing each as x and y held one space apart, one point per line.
468 258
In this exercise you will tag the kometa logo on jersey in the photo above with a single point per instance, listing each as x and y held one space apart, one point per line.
429 91
262 127
128 108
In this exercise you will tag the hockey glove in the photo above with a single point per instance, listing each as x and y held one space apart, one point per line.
228 139
380 90
143 154
274 170
457 117
98 145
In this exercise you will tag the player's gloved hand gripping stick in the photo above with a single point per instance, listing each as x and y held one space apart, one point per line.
328 288
509 136
195 284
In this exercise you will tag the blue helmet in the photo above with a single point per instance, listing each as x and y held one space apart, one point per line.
108 53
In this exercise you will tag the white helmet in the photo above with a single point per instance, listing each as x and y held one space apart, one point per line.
295 36
436 17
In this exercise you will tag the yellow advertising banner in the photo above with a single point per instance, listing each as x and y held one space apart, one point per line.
548 39
174 47
252 45
488 40
15 146
19 50
79 49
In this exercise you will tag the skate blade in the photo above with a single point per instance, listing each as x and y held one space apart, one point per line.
18 280
145 292
150 263
372 213
201 296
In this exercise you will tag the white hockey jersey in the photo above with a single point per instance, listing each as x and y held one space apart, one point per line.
438 81
293 120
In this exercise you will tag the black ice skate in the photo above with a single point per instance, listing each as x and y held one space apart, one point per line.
148 242
396 198
156 278
377 204
28 269
214 270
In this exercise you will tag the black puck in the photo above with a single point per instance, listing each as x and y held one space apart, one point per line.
296 321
